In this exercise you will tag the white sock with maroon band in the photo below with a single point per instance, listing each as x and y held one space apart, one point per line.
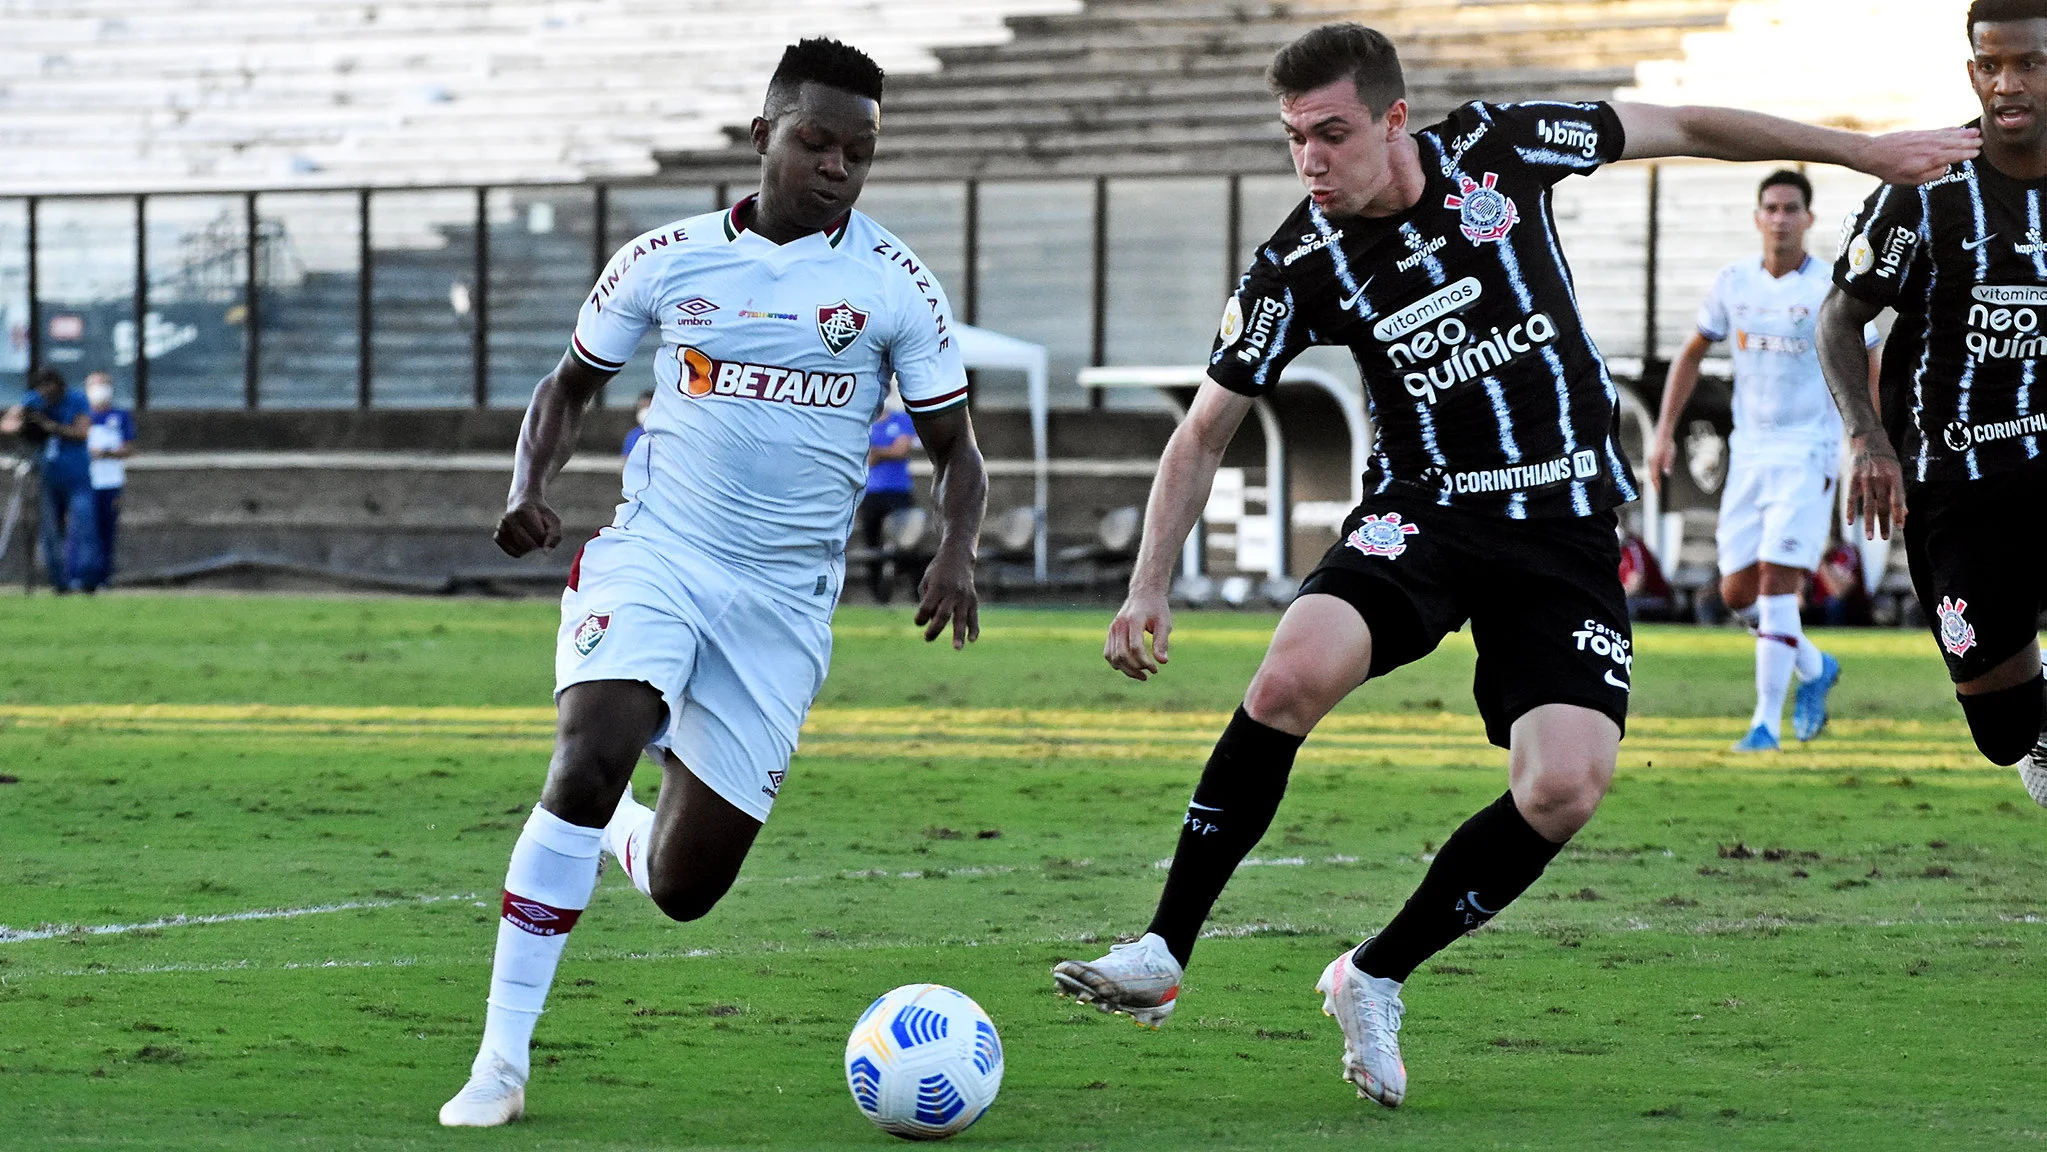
1780 646
626 837
547 886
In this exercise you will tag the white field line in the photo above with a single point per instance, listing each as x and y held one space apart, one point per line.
54 931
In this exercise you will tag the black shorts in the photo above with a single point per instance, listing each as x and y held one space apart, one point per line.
1543 597
1979 566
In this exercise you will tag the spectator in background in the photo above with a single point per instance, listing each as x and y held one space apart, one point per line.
109 441
1642 580
54 420
640 409
889 443
1838 594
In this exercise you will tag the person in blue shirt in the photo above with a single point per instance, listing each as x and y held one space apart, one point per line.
889 443
109 442
54 420
641 407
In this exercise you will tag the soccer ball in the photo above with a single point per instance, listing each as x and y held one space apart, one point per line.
923 1062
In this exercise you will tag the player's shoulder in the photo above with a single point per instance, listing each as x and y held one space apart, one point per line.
1303 227
865 239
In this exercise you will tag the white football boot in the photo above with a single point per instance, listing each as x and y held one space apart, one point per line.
1140 979
2033 773
494 1095
1368 1009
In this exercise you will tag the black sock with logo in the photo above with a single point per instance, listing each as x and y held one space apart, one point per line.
1233 805
1481 869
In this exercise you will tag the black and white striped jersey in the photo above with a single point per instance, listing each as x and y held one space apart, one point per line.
1964 261
1485 389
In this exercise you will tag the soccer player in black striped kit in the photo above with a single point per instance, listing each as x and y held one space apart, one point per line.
1963 260
1433 256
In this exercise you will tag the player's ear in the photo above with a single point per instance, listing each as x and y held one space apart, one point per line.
1396 119
763 128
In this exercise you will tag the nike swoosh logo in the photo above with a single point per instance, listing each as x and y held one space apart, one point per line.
1972 245
1471 898
1203 807
1617 682
1351 300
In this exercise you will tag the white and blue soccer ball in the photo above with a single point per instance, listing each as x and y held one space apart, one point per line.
924 1062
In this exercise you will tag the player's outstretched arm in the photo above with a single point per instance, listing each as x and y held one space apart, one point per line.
1678 387
1876 484
946 593
1656 130
547 437
1178 494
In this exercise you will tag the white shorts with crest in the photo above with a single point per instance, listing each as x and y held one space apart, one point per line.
734 658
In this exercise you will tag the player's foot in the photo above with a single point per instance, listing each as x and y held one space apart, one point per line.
2033 773
1809 706
1368 1009
1140 979
1757 740
495 1095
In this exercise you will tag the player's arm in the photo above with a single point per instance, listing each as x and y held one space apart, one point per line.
547 437
1876 483
12 419
1178 494
1678 387
1656 130
947 594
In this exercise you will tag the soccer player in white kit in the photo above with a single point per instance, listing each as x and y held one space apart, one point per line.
1783 470
697 626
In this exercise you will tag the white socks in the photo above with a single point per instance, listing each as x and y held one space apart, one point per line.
1781 648
627 835
547 886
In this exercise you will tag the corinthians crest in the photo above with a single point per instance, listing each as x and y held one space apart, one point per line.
1957 635
1485 213
840 325
1382 535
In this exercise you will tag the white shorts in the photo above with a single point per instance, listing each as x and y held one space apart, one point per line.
1775 513
737 666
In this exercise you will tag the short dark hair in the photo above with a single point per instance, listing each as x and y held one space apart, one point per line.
1998 11
45 377
822 61
1333 52
1785 177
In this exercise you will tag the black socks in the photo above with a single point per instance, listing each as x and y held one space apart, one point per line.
1233 805
1481 869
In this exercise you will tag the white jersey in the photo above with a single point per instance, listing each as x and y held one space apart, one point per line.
774 361
1783 413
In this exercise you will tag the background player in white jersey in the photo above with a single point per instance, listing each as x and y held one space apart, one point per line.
1776 511
698 625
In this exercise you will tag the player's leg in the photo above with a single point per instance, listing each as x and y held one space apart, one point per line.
686 850
1321 650
1976 571
1798 521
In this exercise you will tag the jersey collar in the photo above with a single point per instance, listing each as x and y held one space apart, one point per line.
733 228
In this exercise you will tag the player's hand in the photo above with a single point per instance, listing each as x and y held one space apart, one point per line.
1876 487
1126 650
947 596
527 526
1662 454
1918 157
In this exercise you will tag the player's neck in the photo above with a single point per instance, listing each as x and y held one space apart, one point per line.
2027 162
1780 264
757 215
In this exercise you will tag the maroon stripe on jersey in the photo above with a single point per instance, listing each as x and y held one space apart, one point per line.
591 358
935 402
537 918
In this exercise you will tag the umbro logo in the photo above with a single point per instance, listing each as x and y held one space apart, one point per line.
697 306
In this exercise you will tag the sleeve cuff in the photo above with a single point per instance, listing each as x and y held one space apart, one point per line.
592 359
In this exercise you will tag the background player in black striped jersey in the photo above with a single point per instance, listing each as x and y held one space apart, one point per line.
1963 259
1434 257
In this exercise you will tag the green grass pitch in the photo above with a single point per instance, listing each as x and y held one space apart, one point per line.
1835 947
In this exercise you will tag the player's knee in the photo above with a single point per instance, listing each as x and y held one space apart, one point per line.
2005 723
1560 799
684 900
1287 698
